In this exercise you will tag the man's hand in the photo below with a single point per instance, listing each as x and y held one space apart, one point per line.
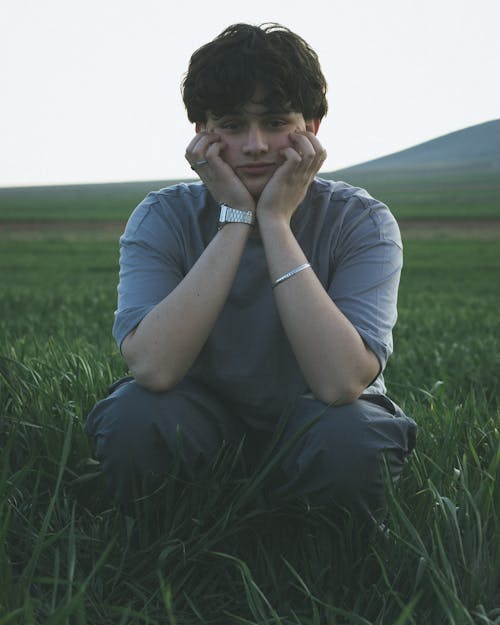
289 183
204 155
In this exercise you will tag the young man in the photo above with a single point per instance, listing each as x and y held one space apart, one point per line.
258 292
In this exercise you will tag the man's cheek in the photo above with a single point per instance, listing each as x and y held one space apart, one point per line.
226 155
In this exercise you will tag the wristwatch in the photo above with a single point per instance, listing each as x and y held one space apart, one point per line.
230 215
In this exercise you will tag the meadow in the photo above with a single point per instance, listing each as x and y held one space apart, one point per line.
215 555
457 193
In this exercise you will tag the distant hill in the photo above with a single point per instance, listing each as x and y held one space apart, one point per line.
456 176
476 148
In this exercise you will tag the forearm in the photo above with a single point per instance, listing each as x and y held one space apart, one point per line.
165 344
331 354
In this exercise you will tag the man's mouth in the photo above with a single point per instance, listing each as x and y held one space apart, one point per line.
255 169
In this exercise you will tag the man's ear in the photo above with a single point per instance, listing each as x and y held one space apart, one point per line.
200 126
313 125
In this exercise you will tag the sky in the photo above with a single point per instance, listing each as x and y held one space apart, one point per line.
90 89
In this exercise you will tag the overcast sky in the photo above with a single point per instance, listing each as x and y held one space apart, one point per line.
89 89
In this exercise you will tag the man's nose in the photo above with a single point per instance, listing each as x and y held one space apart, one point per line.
255 141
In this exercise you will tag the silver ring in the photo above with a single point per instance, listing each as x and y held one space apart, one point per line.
195 165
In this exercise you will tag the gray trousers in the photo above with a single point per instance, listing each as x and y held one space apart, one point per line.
331 455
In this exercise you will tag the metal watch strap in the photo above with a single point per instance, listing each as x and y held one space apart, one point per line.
234 215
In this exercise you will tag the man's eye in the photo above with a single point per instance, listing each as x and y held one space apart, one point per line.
276 123
230 125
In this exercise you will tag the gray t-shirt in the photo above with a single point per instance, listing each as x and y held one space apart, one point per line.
351 240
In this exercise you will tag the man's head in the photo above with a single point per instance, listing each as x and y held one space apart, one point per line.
225 73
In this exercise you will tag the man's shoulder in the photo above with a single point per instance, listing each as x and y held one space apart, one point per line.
351 208
169 207
340 191
185 192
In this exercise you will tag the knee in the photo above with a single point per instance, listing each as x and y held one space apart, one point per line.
139 434
122 427
343 453
337 461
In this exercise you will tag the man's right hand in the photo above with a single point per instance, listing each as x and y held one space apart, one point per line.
204 155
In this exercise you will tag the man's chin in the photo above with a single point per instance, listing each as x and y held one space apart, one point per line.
255 188
255 193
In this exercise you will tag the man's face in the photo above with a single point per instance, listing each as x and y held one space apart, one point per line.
253 138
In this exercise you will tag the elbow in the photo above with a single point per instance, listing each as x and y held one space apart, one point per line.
345 389
154 380
337 395
149 373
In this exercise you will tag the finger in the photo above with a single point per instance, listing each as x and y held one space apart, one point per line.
318 148
214 150
193 144
302 143
200 137
309 147
197 164
291 157
304 149
198 146
308 136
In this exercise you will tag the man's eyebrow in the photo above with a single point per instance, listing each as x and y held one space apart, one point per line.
276 112
266 113
240 112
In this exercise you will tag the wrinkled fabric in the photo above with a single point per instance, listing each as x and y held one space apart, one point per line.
351 240
330 455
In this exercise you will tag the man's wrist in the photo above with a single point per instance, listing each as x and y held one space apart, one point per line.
228 215
270 221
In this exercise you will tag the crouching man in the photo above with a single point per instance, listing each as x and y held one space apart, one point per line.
259 290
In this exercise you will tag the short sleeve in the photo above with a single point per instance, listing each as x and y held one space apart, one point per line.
151 265
367 266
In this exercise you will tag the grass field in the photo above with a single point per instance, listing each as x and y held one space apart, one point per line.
66 556
457 194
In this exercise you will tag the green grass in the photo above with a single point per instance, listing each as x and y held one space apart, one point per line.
96 202
66 556
449 194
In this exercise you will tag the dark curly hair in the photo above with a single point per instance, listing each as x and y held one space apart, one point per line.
223 74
